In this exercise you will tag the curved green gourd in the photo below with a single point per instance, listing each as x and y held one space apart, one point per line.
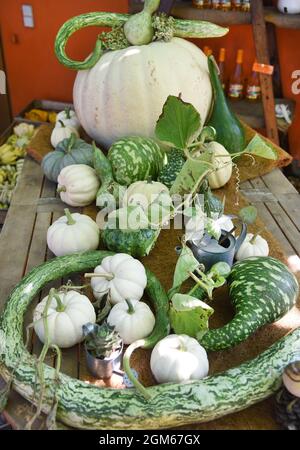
85 406
230 132
262 290
68 152
182 28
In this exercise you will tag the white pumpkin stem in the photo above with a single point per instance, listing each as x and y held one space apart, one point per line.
60 306
68 112
61 189
107 276
131 309
62 124
71 220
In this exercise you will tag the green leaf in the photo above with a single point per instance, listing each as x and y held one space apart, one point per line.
192 174
179 123
188 315
259 147
213 229
186 263
248 214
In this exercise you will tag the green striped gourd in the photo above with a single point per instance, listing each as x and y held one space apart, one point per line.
262 290
85 406
135 159
174 165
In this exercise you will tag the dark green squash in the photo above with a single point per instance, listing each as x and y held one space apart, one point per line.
68 152
230 131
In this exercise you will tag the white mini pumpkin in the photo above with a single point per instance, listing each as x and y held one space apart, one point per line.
178 358
223 166
142 77
145 193
69 118
120 275
132 319
67 313
61 132
253 246
78 185
73 233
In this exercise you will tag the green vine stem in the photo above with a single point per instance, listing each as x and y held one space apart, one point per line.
182 29
126 366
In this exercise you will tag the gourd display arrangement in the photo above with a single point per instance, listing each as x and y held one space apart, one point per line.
182 143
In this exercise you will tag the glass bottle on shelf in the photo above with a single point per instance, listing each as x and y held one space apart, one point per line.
216 4
207 4
245 5
198 4
236 5
221 64
236 85
253 91
225 5
207 50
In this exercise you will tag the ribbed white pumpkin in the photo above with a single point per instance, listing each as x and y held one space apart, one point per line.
78 185
223 166
123 94
252 246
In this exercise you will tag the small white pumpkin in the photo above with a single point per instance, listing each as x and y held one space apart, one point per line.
78 185
120 275
73 233
67 313
178 358
61 132
253 245
223 166
69 118
132 319
145 193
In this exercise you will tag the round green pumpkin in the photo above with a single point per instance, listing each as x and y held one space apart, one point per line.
68 152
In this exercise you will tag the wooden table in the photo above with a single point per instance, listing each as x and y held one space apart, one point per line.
35 206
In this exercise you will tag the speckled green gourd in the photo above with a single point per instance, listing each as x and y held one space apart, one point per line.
85 406
262 290
136 243
174 165
135 159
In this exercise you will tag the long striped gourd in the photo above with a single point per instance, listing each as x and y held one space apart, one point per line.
182 28
262 290
85 406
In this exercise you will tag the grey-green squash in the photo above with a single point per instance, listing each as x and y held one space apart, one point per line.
135 159
68 152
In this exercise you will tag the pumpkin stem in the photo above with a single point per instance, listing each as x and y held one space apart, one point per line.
107 276
253 239
61 189
62 124
60 306
71 142
131 309
71 220
126 366
68 112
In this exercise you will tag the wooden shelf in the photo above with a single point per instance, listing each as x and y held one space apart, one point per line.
184 10
253 113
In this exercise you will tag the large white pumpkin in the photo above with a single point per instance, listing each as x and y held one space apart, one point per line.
124 93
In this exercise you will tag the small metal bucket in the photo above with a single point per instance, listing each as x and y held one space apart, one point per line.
101 368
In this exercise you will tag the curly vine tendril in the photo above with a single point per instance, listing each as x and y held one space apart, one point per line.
182 28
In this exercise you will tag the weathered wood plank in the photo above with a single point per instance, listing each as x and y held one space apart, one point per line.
291 204
278 183
286 225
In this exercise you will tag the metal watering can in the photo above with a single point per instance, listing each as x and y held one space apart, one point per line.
209 251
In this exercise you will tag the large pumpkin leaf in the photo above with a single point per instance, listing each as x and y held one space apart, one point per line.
188 315
179 123
259 147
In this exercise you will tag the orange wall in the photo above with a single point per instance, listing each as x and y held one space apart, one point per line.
34 72
32 68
